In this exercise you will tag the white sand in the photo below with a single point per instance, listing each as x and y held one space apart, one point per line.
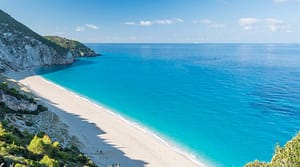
99 129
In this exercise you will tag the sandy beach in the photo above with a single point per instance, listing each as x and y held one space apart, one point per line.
105 137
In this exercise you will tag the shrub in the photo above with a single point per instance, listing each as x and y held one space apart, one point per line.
24 149
289 155
41 108
46 140
65 156
49 162
82 158
2 130
8 136
75 149
41 134
56 145
14 149
36 145
40 145
31 100
20 165
28 123
44 145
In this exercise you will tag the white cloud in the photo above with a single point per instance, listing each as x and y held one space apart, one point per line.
274 24
249 23
277 25
169 21
178 20
140 23
164 21
273 27
92 26
146 23
248 27
130 23
158 21
271 24
86 26
79 29
273 21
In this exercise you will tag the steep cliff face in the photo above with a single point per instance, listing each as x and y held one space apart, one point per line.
22 48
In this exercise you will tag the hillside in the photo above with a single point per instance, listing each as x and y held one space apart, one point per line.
289 155
25 136
30 134
77 49
22 48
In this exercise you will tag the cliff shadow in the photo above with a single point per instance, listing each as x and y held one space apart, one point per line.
20 75
55 68
103 152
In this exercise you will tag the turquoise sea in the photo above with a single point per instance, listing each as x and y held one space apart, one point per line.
226 103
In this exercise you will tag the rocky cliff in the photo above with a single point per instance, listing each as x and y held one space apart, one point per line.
21 48
77 49
30 134
15 104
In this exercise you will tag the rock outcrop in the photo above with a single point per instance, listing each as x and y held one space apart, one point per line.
77 49
21 48
17 104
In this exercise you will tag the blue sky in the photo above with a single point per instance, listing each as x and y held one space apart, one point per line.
161 20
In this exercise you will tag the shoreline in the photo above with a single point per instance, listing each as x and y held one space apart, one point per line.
130 122
173 154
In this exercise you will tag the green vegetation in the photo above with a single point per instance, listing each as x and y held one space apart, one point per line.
77 49
16 27
17 148
47 161
22 149
287 156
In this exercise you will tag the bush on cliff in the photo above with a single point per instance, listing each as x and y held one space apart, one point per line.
288 156
25 149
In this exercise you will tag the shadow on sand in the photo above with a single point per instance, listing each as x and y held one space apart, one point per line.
55 68
101 151
20 75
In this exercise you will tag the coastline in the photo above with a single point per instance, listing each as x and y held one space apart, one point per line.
106 136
